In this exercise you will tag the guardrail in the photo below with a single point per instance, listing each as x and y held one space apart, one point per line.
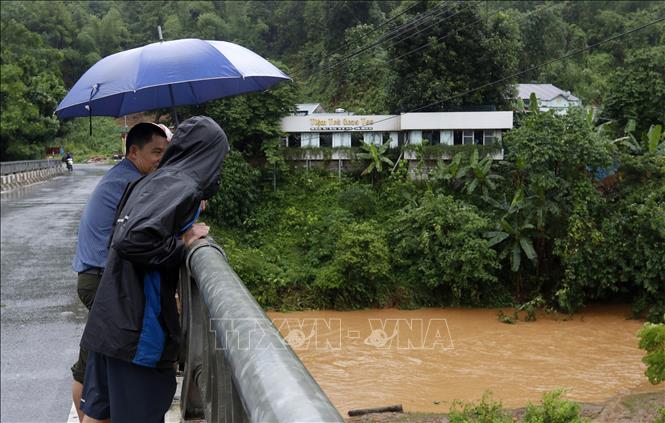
237 366
7 168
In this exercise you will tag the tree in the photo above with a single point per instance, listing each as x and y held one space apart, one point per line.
440 249
251 119
30 91
637 90
458 53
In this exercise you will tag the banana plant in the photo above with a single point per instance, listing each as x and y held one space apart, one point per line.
450 173
653 142
514 232
479 174
376 156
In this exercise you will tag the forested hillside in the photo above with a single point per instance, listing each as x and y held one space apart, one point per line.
574 214
366 56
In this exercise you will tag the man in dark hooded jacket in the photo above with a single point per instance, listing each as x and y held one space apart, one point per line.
133 331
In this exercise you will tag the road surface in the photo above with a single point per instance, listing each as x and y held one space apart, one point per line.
42 317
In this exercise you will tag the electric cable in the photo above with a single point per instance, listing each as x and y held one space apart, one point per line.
565 56
393 33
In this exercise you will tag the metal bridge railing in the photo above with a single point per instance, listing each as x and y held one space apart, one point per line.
237 366
7 168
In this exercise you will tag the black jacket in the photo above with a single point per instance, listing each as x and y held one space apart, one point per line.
134 316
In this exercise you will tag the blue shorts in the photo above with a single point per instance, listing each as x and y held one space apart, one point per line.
126 392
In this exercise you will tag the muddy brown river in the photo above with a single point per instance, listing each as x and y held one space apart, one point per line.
424 359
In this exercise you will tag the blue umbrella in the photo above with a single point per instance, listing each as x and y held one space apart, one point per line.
167 74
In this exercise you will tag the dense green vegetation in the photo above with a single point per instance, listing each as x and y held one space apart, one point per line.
366 56
574 214
652 340
545 227
552 409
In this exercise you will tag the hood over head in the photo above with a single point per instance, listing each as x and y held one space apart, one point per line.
198 149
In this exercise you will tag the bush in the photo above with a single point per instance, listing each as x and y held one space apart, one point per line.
439 246
553 409
359 273
358 200
264 279
652 340
487 411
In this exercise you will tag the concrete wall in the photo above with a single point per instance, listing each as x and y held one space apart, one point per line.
21 179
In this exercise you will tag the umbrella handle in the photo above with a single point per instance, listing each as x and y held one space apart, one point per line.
175 114
89 106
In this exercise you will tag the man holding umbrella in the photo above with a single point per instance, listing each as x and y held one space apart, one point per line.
133 331
167 74
145 145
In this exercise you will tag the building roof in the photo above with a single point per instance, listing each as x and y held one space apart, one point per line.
543 92
310 108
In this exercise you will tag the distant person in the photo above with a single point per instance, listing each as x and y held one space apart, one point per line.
133 330
145 146
69 160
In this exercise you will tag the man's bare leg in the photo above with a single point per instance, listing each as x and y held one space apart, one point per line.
77 392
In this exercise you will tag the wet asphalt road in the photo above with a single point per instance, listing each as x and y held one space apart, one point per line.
42 317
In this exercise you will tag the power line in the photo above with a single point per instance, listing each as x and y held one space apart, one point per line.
400 29
465 26
350 56
395 32
375 29
565 56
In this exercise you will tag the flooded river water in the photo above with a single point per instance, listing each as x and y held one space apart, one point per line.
424 359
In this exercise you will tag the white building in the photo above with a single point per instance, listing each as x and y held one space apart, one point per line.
549 97
446 128
308 109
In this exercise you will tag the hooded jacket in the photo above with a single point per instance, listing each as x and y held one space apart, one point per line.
134 317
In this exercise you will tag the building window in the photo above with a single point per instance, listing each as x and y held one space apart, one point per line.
356 139
393 137
446 137
372 138
401 139
415 137
341 139
310 139
457 136
489 136
294 140
467 137
432 137
478 137
325 139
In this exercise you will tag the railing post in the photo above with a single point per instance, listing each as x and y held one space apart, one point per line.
192 350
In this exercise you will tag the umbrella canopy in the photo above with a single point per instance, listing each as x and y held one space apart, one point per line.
167 74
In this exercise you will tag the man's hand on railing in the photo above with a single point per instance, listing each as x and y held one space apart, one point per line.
197 231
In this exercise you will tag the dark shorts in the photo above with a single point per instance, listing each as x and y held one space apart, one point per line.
126 392
86 287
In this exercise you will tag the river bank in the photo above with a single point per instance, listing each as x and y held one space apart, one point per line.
639 407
